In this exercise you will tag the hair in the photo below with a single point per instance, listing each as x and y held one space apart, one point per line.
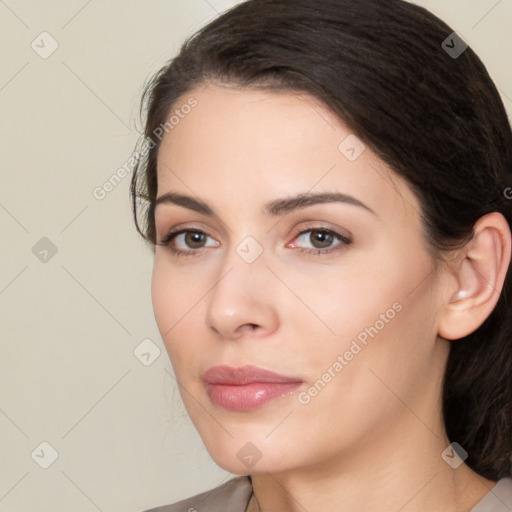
436 119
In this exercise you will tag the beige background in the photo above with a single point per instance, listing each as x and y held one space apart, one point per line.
70 324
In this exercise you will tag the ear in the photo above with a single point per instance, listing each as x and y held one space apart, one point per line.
479 272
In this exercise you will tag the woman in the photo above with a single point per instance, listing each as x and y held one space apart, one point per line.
325 189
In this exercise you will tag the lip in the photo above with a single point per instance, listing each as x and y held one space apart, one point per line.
246 388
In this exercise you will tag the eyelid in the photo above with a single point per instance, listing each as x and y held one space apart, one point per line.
169 229
343 239
318 225
173 233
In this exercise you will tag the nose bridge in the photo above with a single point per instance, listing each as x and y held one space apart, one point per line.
240 296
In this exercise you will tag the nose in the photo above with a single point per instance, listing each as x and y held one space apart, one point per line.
243 301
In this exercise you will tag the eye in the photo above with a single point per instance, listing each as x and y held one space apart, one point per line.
315 240
187 241
319 240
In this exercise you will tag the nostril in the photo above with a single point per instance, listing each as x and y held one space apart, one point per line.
251 327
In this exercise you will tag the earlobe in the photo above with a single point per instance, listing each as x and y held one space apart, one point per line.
479 274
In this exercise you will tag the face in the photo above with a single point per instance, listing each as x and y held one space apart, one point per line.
292 285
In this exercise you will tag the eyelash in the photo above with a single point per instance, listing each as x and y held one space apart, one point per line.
180 252
196 252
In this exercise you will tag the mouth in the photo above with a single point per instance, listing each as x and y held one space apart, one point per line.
246 388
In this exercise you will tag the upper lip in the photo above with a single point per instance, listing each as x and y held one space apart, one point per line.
248 374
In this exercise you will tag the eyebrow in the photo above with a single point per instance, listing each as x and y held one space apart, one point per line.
272 208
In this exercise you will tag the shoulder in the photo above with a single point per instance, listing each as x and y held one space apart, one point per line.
233 496
498 499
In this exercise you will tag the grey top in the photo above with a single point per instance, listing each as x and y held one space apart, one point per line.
235 494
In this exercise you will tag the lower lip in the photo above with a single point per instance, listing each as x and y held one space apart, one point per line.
249 396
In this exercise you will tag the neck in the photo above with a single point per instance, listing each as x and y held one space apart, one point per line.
403 473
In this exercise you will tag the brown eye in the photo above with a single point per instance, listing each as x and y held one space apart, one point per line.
320 239
188 241
195 239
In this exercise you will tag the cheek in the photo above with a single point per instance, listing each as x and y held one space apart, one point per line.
177 298
382 302
173 290
384 320
171 298
346 301
164 298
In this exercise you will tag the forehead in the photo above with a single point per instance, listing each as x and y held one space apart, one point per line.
269 124
252 145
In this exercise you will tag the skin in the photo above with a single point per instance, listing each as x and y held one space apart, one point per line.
372 438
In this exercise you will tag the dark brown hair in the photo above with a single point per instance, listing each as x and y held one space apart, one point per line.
433 116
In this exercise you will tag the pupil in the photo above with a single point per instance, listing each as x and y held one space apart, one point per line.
194 239
321 239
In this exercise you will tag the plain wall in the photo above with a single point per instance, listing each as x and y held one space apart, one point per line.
70 321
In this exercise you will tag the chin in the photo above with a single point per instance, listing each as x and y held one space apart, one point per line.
241 456
235 466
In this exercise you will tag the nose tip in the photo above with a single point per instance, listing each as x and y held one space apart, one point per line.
231 325
240 304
